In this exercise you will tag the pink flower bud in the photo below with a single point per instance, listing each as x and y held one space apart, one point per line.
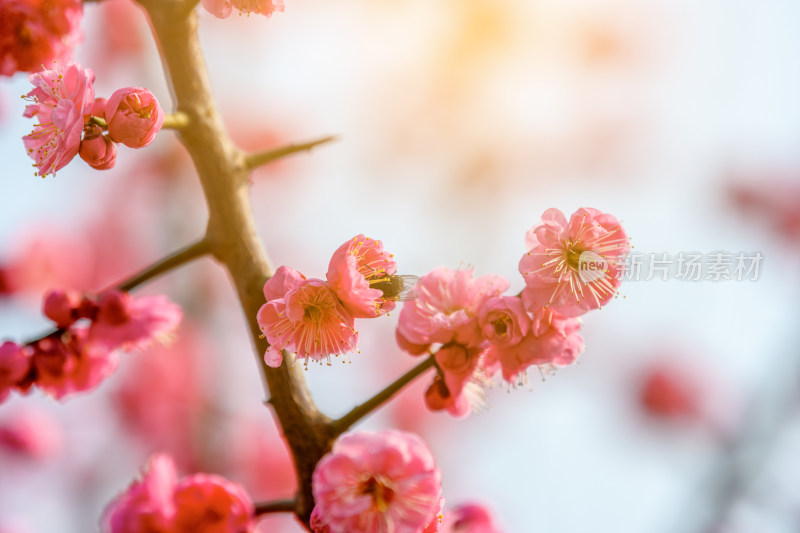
61 307
98 150
134 116
99 108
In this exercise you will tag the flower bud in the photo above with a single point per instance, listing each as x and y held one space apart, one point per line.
134 116
98 150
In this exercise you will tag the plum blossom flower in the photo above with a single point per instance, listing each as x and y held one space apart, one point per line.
554 266
98 150
446 309
70 363
223 8
667 392
61 306
355 266
61 96
31 433
160 503
37 32
14 367
461 374
503 321
307 319
376 482
470 518
553 340
128 322
134 117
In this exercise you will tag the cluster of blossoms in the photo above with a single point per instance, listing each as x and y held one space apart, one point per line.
223 8
82 351
476 332
315 318
72 121
159 502
37 32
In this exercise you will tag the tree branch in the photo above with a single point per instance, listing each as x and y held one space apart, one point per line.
258 159
360 411
184 255
278 506
175 121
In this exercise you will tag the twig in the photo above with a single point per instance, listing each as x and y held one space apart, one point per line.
184 255
277 506
360 411
262 158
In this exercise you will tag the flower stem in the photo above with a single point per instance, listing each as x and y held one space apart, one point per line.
175 121
342 424
277 506
174 260
262 158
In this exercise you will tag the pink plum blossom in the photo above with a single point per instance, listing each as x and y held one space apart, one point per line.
553 340
32 433
98 150
470 518
37 32
159 503
555 267
461 374
61 306
308 319
503 321
70 363
355 266
128 322
376 483
446 309
62 96
134 117
223 8
14 367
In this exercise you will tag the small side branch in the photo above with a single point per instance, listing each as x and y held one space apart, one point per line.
277 506
175 121
184 255
258 159
342 424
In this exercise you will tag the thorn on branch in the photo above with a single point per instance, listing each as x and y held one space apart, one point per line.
258 159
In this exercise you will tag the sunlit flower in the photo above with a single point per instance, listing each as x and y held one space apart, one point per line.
62 96
355 267
308 320
460 380
573 266
128 322
503 321
383 482
134 117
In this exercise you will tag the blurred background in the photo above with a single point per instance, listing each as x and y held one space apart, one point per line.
460 122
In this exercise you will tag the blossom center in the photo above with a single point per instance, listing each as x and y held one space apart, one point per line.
382 495
573 257
501 326
312 313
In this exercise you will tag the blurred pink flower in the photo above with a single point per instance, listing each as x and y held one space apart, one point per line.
223 8
134 117
559 252
376 483
665 392
470 518
98 150
159 504
128 322
446 309
31 432
70 363
775 200
61 306
355 266
553 340
37 32
62 96
14 367
308 319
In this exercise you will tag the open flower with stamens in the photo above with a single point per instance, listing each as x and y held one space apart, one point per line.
357 266
61 98
308 319
573 266
383 482
223 8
